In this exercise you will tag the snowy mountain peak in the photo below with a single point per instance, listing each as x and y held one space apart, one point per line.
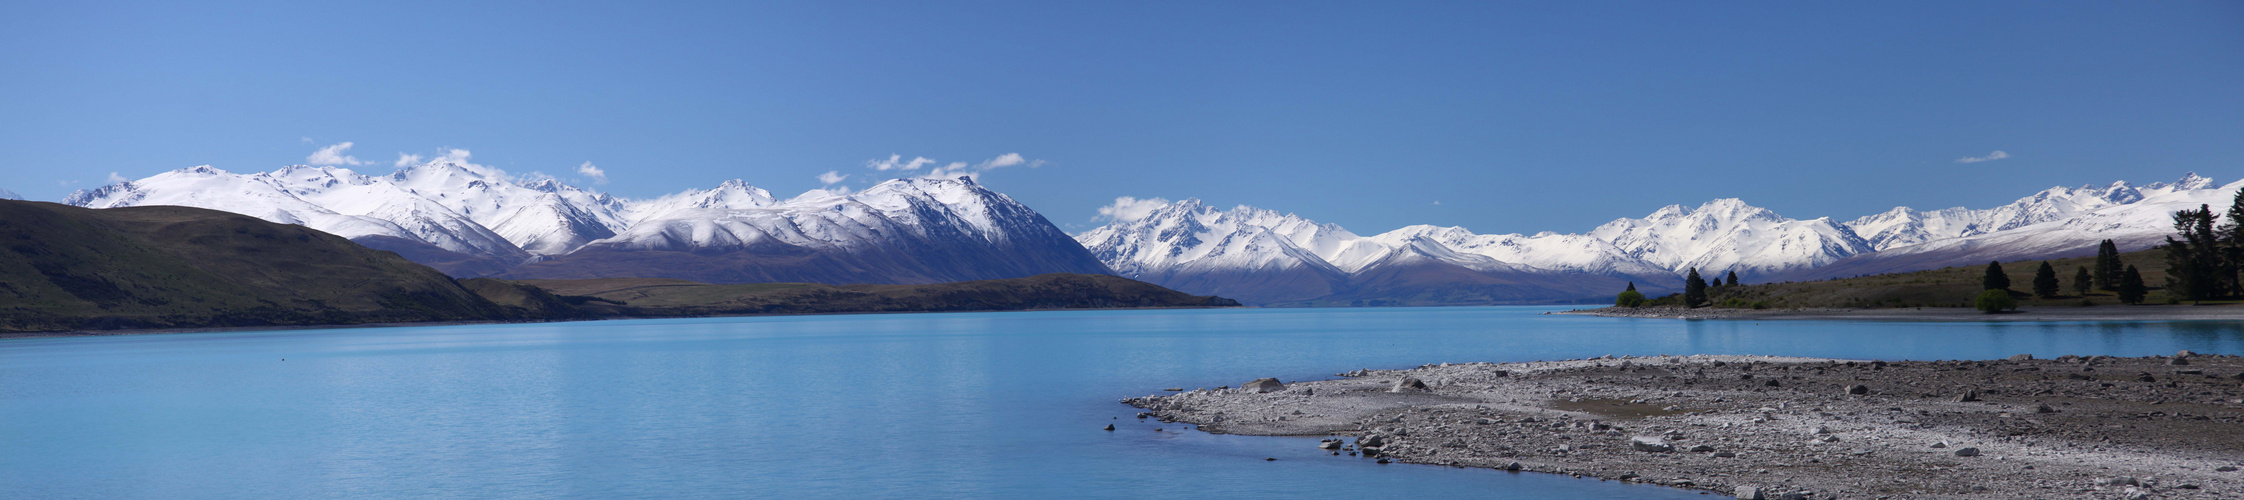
2189 182
1903 227
1182 243
1669 212
907 231
1728 234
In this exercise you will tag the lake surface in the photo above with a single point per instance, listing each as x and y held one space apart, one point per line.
982 405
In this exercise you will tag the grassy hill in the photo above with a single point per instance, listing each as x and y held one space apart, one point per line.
1945 287
671 297
71 268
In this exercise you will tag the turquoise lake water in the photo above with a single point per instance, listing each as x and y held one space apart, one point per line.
977 405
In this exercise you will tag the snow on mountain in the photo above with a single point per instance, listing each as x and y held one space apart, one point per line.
543 217
1903 226
282 196
1729 235
1249 254
920 230
9 195
470 219
1191 235
1263 256
2140 223
736 216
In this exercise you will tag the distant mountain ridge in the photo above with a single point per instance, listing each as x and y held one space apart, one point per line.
470 220
1265 257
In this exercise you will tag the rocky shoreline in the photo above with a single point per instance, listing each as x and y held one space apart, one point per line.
1770 427
2097 313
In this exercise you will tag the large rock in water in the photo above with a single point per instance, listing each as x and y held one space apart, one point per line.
1262 385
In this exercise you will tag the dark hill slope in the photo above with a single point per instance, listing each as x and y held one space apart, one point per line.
66 268
1944 287
671 297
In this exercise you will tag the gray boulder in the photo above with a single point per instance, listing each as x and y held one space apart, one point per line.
1408 384
1650 444
1751 493
1967 396
1858 389
1967 452
2022 357
1263 385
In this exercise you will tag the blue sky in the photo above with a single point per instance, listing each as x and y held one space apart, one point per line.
1515 117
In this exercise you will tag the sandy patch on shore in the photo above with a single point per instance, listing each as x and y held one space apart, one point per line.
2096 427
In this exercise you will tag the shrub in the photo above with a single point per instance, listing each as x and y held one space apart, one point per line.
1630 298
1994 301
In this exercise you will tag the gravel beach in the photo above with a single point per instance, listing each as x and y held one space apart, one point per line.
2099 313
1770 427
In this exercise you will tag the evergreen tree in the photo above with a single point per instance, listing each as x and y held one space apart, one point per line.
2231 238
1733 278
2045 280
2082 283
1996 279
2131 289
1632 286
2195 266
1694 289
2107 265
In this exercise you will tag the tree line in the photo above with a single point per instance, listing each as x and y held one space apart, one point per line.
2203 263
2204 259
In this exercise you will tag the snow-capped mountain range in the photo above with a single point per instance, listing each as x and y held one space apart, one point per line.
1262 256
473 220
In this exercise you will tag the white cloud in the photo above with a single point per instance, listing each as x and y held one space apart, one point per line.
405 160
896 162
1005 160
952 170
832 177
333 155
455 155
1437 202
306 140
66 183
959 169
1128 208
597 175
1990 157
114 178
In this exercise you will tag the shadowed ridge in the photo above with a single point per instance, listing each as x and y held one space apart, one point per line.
68 268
